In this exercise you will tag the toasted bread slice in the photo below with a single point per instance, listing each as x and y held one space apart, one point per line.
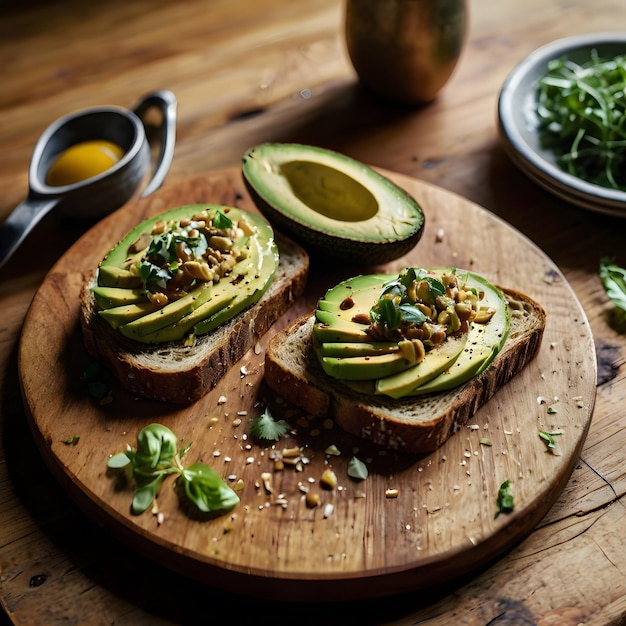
182 374
414 425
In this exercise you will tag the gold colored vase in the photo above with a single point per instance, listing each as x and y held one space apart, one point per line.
405 50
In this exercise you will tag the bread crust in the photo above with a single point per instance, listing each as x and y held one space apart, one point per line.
182 375
415 425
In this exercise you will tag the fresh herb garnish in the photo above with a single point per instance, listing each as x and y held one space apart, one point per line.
155 458
505 498
613 279
152 274
357 469
168 245
394 305
221 221
548 438
266 427
72 441
582 117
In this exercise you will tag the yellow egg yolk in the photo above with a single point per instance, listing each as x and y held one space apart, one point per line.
82 161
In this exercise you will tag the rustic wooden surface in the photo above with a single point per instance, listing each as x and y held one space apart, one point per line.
443 521
246 72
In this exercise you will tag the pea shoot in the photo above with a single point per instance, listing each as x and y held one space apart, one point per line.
581 109
156 457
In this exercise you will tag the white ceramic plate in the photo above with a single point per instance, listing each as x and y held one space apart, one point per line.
518 124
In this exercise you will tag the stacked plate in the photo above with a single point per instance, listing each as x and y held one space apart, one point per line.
519 127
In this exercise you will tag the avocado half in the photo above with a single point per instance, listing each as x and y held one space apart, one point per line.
334 206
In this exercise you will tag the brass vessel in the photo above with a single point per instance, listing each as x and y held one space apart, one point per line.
405 50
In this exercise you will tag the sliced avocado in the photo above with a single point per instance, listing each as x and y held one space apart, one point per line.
178 329
338 335
111 276
227 298
357 348
436 361
109 297
249 291
119 315
205 306
364 367
122 250
484 342
168 314
340 330
332 204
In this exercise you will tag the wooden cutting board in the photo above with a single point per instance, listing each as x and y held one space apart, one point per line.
413 522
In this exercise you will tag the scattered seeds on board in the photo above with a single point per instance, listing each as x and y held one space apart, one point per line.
328 479
391 493
266 478
312 499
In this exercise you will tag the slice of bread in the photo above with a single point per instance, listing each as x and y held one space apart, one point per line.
182 374
414 425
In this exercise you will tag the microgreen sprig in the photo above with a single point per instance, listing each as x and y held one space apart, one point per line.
155 458
549 438
613 279
581 111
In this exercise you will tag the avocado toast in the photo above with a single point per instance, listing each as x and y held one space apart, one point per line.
184 295
358 357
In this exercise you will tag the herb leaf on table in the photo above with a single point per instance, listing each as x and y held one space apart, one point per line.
157 456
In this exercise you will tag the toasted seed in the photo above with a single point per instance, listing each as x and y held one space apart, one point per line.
312 499
347 303
223 244
328 479
141 244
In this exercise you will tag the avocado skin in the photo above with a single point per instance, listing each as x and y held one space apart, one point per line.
325 243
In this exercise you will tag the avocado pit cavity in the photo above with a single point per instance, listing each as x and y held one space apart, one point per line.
329 191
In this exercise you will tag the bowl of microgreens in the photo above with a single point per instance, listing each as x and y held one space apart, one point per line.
562 119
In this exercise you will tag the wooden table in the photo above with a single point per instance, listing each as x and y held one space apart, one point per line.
251 71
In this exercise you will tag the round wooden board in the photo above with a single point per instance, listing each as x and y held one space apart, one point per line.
359 542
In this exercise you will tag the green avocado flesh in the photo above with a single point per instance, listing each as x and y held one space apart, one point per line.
153 260
332 202
348 352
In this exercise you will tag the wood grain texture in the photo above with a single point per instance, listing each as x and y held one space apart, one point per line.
269 70
360 542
